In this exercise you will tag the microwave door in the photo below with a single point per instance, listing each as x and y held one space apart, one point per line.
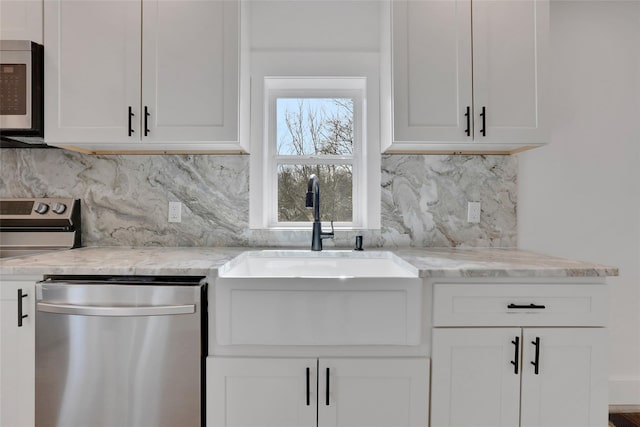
15 90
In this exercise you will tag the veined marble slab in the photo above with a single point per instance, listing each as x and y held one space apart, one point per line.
494 262
191 261
125 199
143 261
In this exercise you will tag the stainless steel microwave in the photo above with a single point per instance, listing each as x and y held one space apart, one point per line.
21 88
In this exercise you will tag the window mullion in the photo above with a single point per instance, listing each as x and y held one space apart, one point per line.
289 160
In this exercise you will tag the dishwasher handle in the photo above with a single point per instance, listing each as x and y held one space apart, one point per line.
120 311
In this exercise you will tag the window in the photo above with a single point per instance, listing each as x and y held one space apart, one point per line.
314 126
315 136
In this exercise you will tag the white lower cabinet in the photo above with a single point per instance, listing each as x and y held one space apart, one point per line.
473 380
17 352
519 354
261 392
325 392
570 388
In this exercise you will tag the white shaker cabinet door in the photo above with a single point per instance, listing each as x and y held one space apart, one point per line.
21 20
190 69
373 392
570 386
261 392
510 71
473 380
431 72
92 71
17 354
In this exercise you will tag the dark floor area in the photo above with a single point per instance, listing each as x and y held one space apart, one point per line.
625 420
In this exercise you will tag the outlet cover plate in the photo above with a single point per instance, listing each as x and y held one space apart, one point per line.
175 212
473 212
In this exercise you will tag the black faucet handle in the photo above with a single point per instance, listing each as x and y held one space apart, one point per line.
326 234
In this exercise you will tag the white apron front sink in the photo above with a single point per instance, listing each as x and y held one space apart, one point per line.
318 298
324 264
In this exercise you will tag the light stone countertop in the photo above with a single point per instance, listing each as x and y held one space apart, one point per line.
200 261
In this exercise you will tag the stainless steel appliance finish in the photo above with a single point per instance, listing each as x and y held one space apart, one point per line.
119 352
34 225
21 88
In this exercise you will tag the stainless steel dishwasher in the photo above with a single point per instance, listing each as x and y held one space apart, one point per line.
120 351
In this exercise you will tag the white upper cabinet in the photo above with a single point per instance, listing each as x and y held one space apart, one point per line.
21 20
92 71
510 67
190 75
467 75
149 75
432 70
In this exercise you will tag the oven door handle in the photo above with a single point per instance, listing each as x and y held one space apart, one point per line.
120 311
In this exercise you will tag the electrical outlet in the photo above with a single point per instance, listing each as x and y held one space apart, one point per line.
473 212
175 212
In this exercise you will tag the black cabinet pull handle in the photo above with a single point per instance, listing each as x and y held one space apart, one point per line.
131 115
516 357
483 131
536 363
327 396
523 306
468 116
20 315
308 388
146 120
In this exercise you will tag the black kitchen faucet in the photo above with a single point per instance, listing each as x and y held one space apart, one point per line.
313 201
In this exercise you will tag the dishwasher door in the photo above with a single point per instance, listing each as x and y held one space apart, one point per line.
118 355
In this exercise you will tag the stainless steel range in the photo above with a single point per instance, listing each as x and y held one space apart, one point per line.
29 226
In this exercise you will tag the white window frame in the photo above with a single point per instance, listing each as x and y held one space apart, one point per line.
314 87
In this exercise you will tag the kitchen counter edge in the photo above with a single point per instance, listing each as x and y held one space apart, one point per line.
199 261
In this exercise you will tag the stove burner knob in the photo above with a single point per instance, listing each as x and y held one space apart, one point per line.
59 208
41 208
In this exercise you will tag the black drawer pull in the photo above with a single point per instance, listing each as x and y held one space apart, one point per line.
467 131
516 357
308 388
131 115
536 362
327 396
483 131
146 120
522 306
20 315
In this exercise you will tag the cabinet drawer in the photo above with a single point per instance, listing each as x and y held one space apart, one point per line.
469 304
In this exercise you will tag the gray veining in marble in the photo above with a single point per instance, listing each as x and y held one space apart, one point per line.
125 199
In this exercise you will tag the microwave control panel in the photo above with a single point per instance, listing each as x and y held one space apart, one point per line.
13 89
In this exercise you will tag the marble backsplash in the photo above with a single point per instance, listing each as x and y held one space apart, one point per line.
125 199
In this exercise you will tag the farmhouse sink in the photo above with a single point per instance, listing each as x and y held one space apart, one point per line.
317 298
325 264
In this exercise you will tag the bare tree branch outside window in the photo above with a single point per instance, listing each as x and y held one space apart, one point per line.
322 128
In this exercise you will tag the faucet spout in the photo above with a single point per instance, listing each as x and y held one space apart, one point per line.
313 202
313 196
